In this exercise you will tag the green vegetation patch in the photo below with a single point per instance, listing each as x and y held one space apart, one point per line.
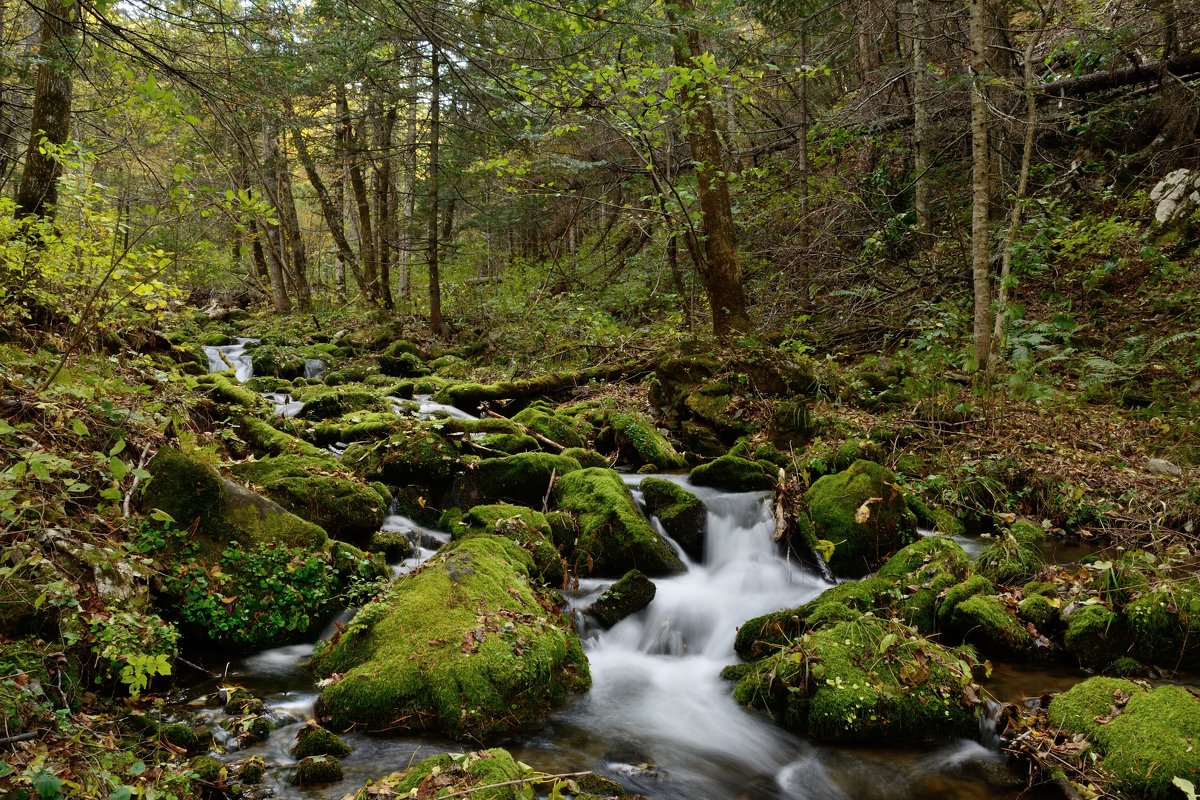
735 474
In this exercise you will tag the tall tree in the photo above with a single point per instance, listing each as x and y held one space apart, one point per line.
981 184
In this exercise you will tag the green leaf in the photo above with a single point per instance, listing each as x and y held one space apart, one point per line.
121 793
111 493
46 785
79 427
1185 786
5 428
119 468
158 515
5 769
118 447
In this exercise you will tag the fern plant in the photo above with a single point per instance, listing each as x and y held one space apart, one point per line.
1130 361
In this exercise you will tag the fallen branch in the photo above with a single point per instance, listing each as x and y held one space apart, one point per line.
21 737
530 432
1079 85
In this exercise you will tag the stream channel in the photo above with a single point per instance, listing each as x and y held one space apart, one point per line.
659 719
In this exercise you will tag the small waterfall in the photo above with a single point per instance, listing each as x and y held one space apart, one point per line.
422 406
313 368
222 358
285 406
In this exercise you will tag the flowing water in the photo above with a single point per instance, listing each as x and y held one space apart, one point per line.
231 355
658 717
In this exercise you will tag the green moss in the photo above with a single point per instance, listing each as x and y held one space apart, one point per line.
862 511
1027 533
564 430
526 527
761 635
1165 624
20 611
946 523
463 646
830 613
930 556
614 537
735 475
417 456
630 594
24 679
356 426
954 595
251 770
313 740
1095 635
272 441
323 403
586 458
1010 560
523 478
683 516
984 621
403 364
224 391
394 546
636 441
481 775
1126 667
207 769
506 443
1147 737
280 362
866 681
1038 610
316 770
314 490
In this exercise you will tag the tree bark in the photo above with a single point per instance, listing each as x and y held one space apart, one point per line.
1080 85
431 254
408 186
719 269
50 123
289 222
331 209
920 104
274 243
385 216
980 186
362 204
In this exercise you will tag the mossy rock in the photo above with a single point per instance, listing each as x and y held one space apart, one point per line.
792 424
714 404
772 631
20 611
1039 610
207 769
251 771
313 740
862 511
505 444
266 439
403 365
1010 561
866 681
1095 635
356 426
960 592
315 490
316 770
683 516
1146 737
482 775
559 428
629 595
220 511
194 740
986 622
734 474
1164 624
614 537
278 362
528 528
394 546
523 479
585 457
326 403
417 456
465 646
635 440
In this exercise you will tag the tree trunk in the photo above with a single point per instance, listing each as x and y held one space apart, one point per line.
719 269
408 186
1018 207
51 119
289 222
920 104
362 204
385 216
980 186
431 254
274 242
331 209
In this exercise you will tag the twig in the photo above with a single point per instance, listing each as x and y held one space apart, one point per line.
544 440
22 737
533 779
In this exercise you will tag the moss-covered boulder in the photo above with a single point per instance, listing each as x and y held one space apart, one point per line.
266 439
403 365
986 622
614 537
417 456
1164 623
313 740
735 474
326 403
1146 737
862 512
629 595
1095 634
276 361
528 528
683 516
523 479
482 775
635 440
316 770
585 457
21 612
559 428
220 511
320 492
1015 556
465 646
865 681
